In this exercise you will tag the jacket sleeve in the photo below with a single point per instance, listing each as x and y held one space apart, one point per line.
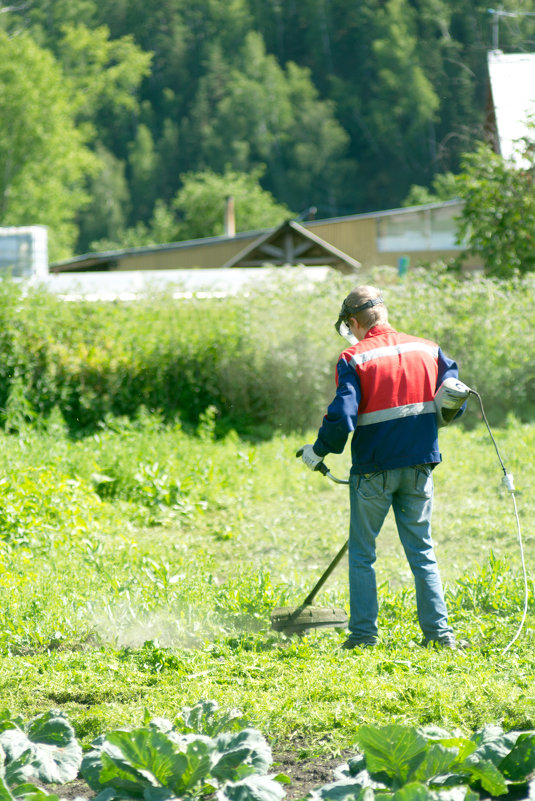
342 413
447 368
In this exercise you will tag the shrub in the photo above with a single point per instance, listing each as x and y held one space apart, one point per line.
263 361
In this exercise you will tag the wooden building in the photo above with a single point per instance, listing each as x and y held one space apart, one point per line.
420 234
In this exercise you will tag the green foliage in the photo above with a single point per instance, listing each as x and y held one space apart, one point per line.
344 108
206 717
443 187
162 760
156 762
118 607
201 204
106 213
89 360
428 763
105 72
412 100
198 210
44 158
462 317
184 359
498 214
139 565
45 748
258 113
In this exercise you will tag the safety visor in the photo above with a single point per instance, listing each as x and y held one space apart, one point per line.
342 324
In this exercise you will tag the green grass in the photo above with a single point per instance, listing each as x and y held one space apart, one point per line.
140 565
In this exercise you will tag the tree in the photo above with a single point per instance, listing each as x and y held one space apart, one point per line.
44 157
143 163
67 114
105 74
45 18
443 187
198 210
106 216
161 228
255 113
201 203
498 217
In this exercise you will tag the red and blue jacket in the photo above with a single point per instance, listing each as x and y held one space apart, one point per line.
385 389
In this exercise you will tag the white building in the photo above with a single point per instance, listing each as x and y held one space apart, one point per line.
511 102
24 251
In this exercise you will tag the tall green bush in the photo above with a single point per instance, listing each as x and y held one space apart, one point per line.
262 361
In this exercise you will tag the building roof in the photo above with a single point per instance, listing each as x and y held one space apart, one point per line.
108 260
512 98
291 243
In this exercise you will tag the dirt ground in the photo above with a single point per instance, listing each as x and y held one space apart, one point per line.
306 774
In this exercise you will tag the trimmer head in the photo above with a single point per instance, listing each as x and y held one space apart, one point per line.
295 620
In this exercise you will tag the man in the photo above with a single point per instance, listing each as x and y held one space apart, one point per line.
386 383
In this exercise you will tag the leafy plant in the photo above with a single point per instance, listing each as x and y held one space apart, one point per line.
404 762
157 762
206 717
45 748
499 208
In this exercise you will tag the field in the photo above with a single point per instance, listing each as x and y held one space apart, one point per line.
142 556
140 566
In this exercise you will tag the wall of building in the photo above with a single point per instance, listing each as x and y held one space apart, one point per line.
423 234
181 257
356 237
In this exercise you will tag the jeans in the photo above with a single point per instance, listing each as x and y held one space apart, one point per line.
409 490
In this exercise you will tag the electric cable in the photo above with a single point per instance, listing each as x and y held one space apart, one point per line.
507 480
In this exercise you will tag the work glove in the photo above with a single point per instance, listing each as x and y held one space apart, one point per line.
310 457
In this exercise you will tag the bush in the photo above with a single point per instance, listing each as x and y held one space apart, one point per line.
263 361
486 325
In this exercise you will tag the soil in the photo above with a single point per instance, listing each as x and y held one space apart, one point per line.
69 791
306 773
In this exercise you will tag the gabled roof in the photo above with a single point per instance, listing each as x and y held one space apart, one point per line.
289 244
512 99
109 259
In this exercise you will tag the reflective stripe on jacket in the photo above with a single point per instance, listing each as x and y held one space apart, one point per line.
385 389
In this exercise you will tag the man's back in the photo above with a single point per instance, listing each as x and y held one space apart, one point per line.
385 389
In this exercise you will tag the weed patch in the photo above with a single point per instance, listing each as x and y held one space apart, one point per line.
126 603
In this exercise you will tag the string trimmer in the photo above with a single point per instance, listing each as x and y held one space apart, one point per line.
296 620
448 399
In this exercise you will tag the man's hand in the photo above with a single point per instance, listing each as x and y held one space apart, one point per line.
310 457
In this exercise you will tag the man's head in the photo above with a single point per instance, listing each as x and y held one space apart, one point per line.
362 309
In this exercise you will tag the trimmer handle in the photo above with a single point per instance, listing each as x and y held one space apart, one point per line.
321 467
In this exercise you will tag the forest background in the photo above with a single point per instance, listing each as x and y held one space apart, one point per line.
113 112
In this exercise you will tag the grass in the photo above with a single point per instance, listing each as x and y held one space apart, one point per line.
140 565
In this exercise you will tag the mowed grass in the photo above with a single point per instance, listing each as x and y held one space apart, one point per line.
140 566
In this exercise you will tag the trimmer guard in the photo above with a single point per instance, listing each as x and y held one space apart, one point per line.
293 620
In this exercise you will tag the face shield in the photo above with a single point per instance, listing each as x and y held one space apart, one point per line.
342 324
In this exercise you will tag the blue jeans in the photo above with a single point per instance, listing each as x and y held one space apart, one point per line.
409 490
